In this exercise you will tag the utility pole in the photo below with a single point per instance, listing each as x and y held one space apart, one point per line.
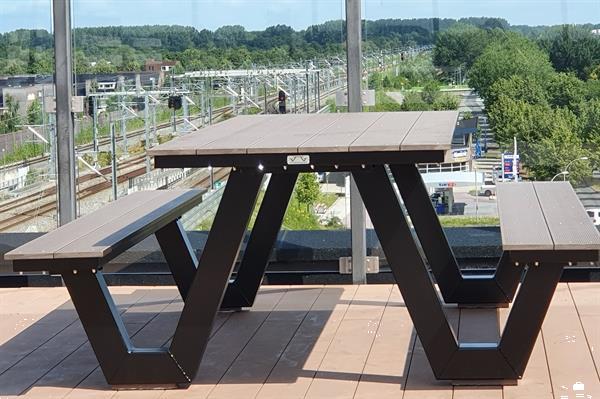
357 209
63 79
113 160
122 106
147 132
295 94
210 104
318 91
95 124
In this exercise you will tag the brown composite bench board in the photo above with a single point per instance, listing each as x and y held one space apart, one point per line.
522 222
339 136
289 140
113 228
188 144
327 133
430 132
387 133
544 216
568 223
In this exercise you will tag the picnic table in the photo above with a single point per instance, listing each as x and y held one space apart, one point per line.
543 229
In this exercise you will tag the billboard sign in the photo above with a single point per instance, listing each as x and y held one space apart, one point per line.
511 162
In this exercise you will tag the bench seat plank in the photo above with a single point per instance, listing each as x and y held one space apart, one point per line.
522 223
120 224
569 225
238 142
45 246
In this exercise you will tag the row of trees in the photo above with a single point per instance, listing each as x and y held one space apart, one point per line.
125 48
543 92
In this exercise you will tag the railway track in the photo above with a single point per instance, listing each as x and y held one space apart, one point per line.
217 114
21 210
10 206
46 198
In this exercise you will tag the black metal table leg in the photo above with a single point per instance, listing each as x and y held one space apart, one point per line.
408 268
214 270
498 289
242 291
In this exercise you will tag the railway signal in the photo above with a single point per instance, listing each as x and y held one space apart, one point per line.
175 102
282 97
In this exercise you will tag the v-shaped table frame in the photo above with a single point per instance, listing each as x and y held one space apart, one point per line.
205 286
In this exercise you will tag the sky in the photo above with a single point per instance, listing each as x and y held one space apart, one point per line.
258 14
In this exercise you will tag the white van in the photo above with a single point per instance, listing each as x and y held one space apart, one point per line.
488 188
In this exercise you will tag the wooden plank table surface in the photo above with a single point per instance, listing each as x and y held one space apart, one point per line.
367 132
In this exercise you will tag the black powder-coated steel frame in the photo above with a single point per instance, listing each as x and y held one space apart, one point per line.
201 282
205 287
498 289
450 360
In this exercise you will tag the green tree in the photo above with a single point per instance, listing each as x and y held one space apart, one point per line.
431 91
589 121
414 102
528 122
446 102
10 119
513 55
550 156
460 46
307 189
566 90
524 88
573 49
34 113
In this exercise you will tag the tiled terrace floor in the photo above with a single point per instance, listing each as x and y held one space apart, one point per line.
297 342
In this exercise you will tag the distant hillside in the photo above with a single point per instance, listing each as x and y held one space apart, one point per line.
126 48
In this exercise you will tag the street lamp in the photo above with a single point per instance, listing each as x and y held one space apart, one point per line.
570 163
564 174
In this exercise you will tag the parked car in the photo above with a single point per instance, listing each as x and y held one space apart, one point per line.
488 188
595 215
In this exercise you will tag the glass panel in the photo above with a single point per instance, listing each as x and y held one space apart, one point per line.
27 195
203 66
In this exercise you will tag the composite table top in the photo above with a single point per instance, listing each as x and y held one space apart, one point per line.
387 137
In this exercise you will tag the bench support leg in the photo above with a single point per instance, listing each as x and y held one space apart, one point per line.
202 288
503 361
179 254
242 291
498 289
120 361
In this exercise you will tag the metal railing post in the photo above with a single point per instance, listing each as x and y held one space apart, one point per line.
63 80
357 209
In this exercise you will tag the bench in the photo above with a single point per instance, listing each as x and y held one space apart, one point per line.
544 221
544 227
78 250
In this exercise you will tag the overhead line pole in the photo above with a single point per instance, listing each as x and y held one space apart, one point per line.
357 209
63 80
